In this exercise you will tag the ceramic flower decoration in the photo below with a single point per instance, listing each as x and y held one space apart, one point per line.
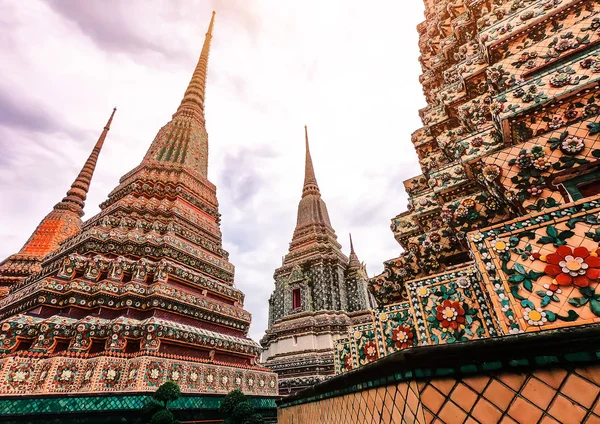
402 337
450 314
569 266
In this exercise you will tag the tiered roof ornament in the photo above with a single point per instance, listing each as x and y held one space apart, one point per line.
353 262
63 222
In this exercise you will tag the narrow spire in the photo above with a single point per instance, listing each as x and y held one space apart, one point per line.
310 181
353 262
192 103
75 199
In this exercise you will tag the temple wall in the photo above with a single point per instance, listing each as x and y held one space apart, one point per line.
559 395
546 377
302 343
517 282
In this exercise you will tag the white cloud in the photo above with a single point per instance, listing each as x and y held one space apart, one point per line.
347 69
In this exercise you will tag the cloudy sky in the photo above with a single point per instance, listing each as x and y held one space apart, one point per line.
346 68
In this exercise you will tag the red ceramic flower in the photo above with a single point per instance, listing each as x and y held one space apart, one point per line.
348 362
572 266
402 337
450 314
370 351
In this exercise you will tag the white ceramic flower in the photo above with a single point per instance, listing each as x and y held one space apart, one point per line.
477 237
499 245
463 282
550 290
535 317
423 291
20 376
574 266
66 375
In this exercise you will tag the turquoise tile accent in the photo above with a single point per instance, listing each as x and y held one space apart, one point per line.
83 404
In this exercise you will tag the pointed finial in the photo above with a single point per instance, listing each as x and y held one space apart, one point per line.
75 199
107 126
353 262
192 103
310 181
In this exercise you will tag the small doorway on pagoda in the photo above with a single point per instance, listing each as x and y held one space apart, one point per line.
296 299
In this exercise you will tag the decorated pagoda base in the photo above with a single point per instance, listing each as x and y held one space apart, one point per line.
142 373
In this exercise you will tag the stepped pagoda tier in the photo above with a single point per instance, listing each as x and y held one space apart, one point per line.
318 293
502 228
63 222
144 293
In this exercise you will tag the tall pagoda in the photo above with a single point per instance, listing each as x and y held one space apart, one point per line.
318 293
61 223
144 293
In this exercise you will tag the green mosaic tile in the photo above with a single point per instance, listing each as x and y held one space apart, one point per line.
82 404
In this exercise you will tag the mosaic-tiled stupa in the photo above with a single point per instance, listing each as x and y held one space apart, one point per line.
318 294
144 292
502 229
61 223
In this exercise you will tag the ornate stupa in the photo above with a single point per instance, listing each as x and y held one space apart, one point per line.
318 293
501 232
61 223
144 292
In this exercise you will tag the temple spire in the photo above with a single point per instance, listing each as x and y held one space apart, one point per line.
353 262
75 199
310 181
192 104
312 211
62 222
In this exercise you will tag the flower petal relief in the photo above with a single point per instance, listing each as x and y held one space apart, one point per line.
569 266
450 314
